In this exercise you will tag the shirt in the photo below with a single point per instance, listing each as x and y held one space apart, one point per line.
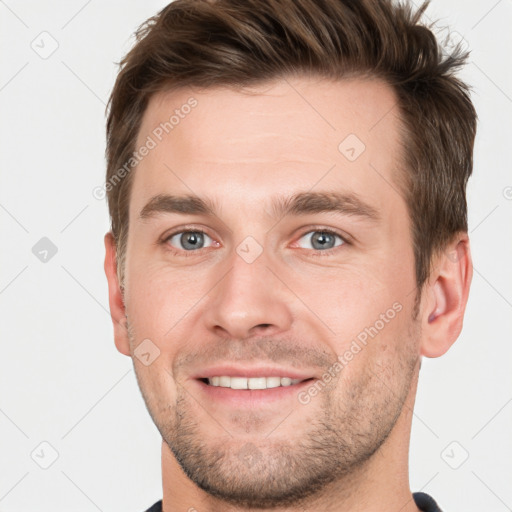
423 501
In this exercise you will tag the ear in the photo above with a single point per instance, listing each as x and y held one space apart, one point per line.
115 297
446 295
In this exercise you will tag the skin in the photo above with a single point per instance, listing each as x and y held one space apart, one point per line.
293 306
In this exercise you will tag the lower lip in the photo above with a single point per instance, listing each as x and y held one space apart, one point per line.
252 397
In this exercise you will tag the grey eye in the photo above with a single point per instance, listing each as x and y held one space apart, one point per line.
319 240
189 240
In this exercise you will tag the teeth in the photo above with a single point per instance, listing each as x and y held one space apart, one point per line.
252 382
256 383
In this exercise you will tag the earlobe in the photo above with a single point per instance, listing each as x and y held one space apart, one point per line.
446 295
115 297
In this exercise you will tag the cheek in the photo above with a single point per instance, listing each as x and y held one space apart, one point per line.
350 299
379 364
369 317
159 299
158 388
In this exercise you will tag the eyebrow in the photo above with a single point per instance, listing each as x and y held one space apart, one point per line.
302 203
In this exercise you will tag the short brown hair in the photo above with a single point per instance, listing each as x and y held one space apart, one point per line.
239 43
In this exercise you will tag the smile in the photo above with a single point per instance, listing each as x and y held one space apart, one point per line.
250 382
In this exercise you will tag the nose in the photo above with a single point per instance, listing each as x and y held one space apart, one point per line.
249 300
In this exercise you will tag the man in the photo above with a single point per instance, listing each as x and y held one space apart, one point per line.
286 182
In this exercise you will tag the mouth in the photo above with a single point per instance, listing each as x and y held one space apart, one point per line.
251 383
242 386
246 393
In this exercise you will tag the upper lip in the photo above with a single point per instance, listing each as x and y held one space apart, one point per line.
250 371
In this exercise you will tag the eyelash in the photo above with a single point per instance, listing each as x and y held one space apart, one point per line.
313 229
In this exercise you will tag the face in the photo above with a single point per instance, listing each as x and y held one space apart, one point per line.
269 246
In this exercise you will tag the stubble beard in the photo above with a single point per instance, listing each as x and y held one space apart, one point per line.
269 471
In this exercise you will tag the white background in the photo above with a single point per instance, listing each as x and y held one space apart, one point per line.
62 380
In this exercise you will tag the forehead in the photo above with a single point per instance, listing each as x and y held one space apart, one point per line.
287 135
